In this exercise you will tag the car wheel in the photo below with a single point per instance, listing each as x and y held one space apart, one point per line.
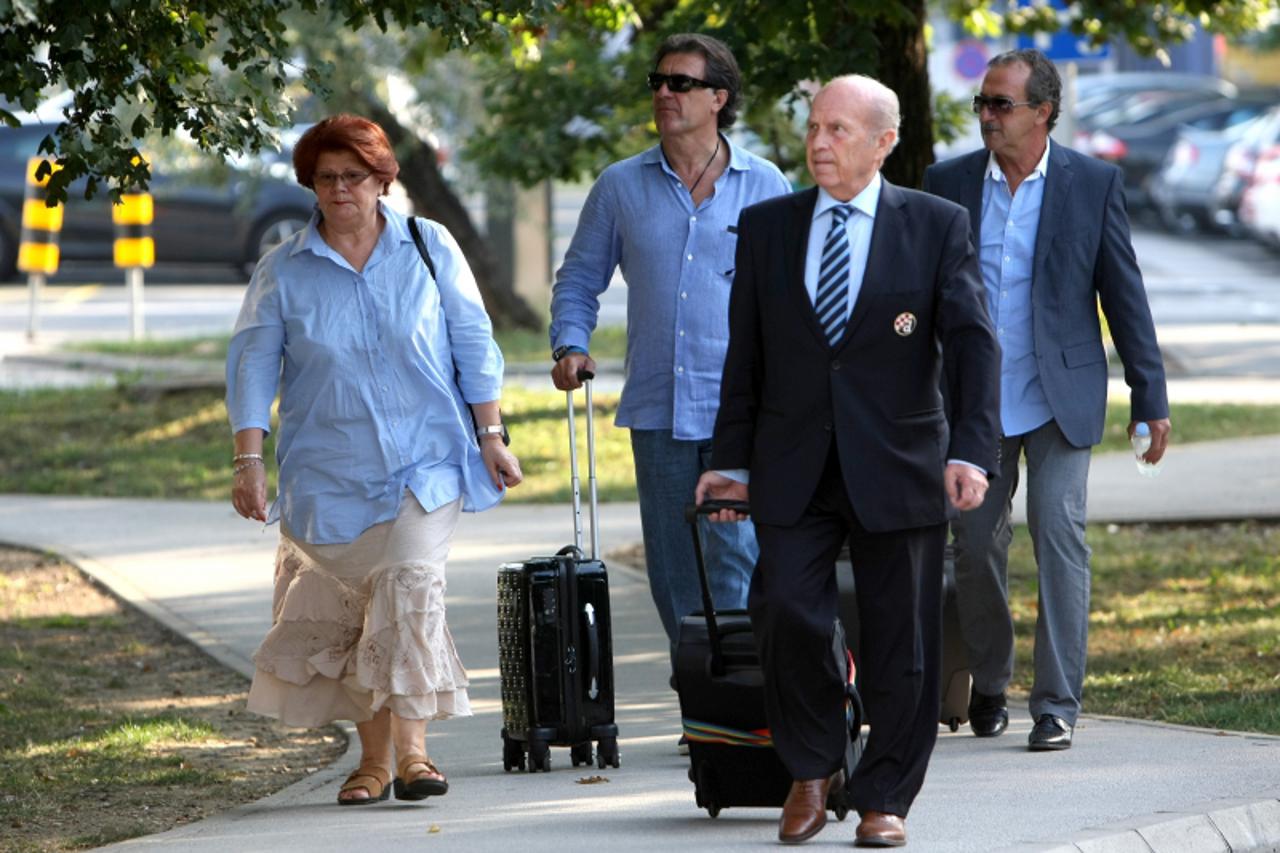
271 232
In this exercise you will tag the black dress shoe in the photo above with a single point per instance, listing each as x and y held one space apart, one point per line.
1050 732
988 715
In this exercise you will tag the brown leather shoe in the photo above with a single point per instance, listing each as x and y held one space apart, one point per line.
805 811
878 829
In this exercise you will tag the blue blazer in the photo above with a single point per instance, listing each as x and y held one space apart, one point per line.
787 394
1083 256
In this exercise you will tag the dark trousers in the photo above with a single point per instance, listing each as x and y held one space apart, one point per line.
793 606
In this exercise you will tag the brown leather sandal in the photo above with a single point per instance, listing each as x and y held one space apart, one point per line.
374 780
421 785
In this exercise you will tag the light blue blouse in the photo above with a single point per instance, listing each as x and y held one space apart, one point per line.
375 369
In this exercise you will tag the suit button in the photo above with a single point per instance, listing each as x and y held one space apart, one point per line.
835 365
827 426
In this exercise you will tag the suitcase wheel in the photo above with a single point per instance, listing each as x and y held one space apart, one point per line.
539 756
713 810
954 723
842 812
581 753
608 754
512 753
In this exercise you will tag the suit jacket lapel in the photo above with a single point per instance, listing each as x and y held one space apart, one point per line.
975 173
1057 186
796 247
886 241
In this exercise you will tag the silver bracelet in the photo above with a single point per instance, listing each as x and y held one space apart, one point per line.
250 463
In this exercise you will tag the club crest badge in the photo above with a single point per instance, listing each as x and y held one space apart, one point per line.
905 323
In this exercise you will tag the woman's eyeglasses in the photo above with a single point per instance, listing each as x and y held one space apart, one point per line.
678 83
329 180
999 104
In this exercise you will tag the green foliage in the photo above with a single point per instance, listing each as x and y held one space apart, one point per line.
1148 27
217 70
563 109
565 100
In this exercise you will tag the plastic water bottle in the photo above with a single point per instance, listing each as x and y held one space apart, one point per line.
1141 444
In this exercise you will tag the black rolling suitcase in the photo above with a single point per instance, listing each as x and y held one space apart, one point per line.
956 679
555 648
721 689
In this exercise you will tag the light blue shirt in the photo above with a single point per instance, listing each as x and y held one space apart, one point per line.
376 370
858 227
1007 253
678 264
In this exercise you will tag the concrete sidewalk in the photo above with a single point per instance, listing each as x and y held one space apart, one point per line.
1124 786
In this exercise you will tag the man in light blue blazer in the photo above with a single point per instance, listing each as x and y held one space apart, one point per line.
1052 236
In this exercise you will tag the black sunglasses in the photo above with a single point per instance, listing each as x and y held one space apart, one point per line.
678 83
999 104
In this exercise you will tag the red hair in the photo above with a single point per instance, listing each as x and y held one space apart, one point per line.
346 132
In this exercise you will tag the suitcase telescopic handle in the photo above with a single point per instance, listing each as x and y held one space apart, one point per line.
585 376
691 513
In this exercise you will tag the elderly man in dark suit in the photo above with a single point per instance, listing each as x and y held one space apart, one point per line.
846 301
1052 237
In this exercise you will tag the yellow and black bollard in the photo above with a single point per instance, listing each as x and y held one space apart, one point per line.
134 249
38 249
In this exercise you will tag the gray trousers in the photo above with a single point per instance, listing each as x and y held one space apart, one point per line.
1057 479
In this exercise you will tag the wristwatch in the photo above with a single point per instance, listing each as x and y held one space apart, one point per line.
561 351
494 429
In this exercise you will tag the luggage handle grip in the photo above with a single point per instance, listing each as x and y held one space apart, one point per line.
692 511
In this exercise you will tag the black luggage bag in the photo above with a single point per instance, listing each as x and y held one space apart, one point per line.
555 647
721 689
954 710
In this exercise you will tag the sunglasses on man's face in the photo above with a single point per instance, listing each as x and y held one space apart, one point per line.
999 104
678 83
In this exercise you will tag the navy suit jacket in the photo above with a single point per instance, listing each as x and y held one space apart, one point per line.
787 393
1083 255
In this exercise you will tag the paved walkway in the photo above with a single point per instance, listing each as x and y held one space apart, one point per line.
1124 786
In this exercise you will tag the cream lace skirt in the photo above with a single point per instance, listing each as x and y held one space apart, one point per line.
361 626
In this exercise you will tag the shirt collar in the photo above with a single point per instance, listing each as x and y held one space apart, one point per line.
738 161
866 201
995 173
397 229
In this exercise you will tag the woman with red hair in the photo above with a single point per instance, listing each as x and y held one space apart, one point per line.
389 382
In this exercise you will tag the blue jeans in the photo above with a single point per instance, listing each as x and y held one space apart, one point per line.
667 472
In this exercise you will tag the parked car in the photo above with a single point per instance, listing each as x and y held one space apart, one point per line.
1206 172
1140 141
1096 92
205 212
1260 205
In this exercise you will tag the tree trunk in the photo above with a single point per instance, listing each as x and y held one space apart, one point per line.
420 175
904 68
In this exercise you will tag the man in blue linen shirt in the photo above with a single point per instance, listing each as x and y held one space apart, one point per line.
668 217
1053 241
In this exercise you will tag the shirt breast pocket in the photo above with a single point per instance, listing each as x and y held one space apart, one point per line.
726 254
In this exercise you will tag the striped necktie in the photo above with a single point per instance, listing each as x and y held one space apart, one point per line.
831 302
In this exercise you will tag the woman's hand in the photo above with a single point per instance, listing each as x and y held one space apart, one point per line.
502 464
249 492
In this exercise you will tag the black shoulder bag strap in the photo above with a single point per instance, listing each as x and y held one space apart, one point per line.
422 247
416 233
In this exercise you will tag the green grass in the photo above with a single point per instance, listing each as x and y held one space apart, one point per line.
111 443
1184 624
518 345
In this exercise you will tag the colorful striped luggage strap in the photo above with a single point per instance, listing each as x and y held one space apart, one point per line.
708 733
